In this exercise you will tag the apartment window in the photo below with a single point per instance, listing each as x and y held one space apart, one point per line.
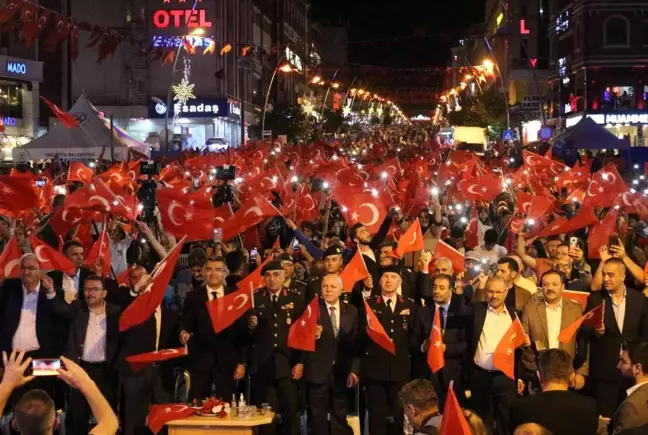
616 31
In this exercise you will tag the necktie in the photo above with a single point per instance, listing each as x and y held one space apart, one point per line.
442 311
275 299
334 321
214 295
389 305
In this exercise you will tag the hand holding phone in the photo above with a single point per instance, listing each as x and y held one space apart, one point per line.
218 235
46 367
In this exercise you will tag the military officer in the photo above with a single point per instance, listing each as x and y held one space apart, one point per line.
273 366
292 284
384 374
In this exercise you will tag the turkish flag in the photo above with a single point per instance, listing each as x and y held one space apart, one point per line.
593 318
143 360
100 251
10 260
252 212
504 356
67 119
226 310
634 203
412 240
472 231
540 206
376 331
302 333
98 197
435 358
307 208
143 307
80 172
64 219
366 208
576 296
49 258
356 270
599 235
160 415
254 280
454 421
181 218
562 225
17 194
605 187
484 188
390 168
123 279
442 249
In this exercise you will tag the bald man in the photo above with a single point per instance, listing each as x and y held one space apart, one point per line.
328 371
531 429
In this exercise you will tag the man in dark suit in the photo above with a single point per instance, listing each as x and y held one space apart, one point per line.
93 343
454 321
633 411
385 374
153 384
492 390
72 285
328 371
273 366
32 313
561 411
625 318
214 359
123 296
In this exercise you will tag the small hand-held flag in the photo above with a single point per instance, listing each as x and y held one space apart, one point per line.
226 310
593 318
454 421
356 270
67 119
302 333
504 356
435 357
411 240
160 415
143 360
376 331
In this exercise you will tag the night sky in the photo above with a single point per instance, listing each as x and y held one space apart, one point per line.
402 33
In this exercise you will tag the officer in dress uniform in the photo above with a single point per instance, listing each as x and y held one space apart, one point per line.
334 266
382 373
292 284
274 367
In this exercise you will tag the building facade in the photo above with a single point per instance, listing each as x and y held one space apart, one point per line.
598 64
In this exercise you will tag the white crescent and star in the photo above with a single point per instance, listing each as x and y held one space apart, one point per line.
37 253
10 267
172 207
255 210
245 300
589 188
375 214
103 201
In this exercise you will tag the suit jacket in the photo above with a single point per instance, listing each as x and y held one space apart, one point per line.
52 318
561 412
268 353
633 411
401 326
534 322
604 350
522 296
334 356
206 348
79 328
57 277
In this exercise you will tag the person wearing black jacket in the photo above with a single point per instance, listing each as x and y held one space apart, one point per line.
625 318
273 366
328 370
153 384
454 321
214 359
93 343
385 374
492 390
368 245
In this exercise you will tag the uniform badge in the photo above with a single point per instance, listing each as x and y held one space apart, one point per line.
288 321
404 326
405 312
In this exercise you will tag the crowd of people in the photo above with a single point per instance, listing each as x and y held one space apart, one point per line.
485 264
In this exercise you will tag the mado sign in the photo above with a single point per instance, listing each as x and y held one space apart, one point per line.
16 67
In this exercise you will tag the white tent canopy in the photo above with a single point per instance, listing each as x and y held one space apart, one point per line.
86 142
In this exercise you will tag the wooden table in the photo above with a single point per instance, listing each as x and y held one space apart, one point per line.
197 424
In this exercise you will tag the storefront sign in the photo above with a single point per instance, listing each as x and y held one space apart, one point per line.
8 121
197 108
16 67
612 118
179 18
420 118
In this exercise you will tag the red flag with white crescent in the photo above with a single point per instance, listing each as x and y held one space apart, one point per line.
302 333
100 252
435 358
228 309
376 331
49 258
10 260
160 415
411 240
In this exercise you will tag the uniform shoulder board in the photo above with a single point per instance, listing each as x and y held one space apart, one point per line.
299 282
412 300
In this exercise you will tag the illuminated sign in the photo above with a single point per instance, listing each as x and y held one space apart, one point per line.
293 58
175 41
420 118
197 108
179 18
523 28
626 118
8 121
16 67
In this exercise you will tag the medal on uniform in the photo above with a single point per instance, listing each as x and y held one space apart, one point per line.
288 320
404 325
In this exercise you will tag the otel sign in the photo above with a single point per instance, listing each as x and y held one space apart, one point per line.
179 18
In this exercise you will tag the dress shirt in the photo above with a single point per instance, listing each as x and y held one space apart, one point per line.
390 298
495 326
445 307
632 389
220 292
620 309
94 345
554 316
337 313
25 337
158 326
70 286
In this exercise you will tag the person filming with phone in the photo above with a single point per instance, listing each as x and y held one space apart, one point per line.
35 413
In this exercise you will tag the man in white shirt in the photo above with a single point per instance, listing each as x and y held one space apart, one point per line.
93 344
491 389
490 250
119 244
633 411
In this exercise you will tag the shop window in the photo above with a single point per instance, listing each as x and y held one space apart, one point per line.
618 97
10 99
616 31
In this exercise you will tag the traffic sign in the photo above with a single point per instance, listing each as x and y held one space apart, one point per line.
545 133
508 135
